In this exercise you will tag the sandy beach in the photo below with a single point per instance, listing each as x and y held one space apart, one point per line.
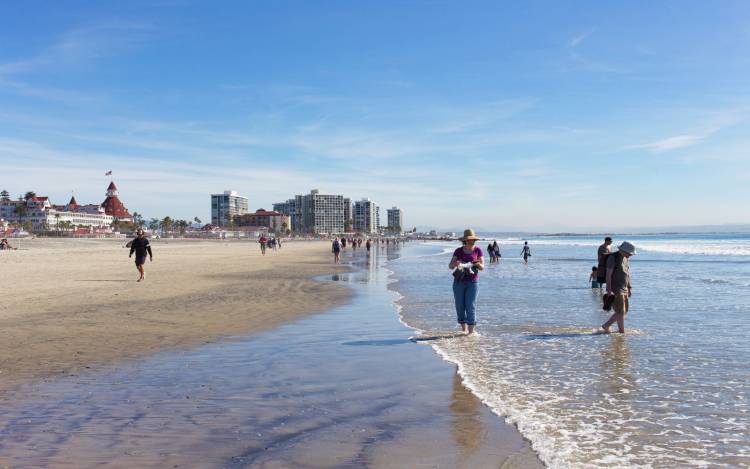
345 388
69 305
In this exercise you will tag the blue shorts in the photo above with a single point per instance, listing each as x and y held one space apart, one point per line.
595 284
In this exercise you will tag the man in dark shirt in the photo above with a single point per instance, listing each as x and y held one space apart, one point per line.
601 255
140 246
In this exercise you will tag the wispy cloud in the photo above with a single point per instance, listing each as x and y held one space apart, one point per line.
670 143
80 45
578 39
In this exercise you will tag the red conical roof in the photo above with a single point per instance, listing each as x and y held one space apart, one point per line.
112 186
73 202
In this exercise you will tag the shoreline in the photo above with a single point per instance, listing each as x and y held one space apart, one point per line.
74 304
383 402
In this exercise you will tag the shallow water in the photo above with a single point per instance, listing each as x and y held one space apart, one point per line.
673 392
346 388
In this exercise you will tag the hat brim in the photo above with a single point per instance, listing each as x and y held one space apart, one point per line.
466 238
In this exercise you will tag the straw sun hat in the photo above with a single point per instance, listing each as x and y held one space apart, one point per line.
469 234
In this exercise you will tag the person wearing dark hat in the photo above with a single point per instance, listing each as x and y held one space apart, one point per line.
467 261
618 284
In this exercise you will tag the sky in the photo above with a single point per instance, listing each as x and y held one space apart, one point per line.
496 115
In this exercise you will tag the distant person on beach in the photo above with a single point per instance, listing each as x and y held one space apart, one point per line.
491 252
140 246
278 243
5 245
467 261
336 250
343 243
593 279
368 245
263 241
496 250
601 258
526 252
618 285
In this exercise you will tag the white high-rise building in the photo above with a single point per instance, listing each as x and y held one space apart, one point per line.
320 213
395 220
224 207
366 216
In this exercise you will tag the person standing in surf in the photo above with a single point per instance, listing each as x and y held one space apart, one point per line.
467 261
601 257
336 250
526 252
618 285
140 246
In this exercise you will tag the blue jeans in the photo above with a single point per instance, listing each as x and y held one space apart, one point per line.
465 294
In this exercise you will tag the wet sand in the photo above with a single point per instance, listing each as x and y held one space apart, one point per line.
69 305
346 388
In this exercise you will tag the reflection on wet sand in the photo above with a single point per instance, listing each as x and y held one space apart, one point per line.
467 427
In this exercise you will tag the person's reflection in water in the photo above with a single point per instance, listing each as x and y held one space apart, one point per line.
617 379
467 422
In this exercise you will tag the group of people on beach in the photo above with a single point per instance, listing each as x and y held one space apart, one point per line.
266 243
339 244
613 270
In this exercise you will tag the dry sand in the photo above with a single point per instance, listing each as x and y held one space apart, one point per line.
72 304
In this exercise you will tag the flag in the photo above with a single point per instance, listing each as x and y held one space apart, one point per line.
108 173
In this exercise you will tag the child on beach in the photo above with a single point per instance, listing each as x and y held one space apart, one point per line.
593 278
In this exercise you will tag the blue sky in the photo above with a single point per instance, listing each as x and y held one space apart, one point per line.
527 115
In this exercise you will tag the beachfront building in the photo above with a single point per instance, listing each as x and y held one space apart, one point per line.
114 207
289 207
225 207
348 214
395 220
43 215
366 216
320 213
274 221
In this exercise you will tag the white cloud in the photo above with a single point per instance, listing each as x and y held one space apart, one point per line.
670 143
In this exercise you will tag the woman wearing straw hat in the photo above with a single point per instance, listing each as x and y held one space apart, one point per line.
468 260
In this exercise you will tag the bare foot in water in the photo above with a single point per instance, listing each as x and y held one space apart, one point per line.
607 330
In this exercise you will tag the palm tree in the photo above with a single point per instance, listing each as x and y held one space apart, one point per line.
57 223
197 220
138 220
21 210
166 224
153 224
4 195
29 195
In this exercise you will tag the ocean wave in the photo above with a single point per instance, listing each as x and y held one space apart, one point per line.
689 247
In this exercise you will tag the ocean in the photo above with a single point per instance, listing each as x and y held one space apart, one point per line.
672 392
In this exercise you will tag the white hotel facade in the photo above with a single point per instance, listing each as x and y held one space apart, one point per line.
44 216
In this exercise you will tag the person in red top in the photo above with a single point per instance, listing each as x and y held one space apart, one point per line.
263 243
468 260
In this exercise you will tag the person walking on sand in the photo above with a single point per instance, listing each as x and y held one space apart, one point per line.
491 252
140 246
618 284
601 258
496 250
336 250
368 245
526 252
263 241
467 261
